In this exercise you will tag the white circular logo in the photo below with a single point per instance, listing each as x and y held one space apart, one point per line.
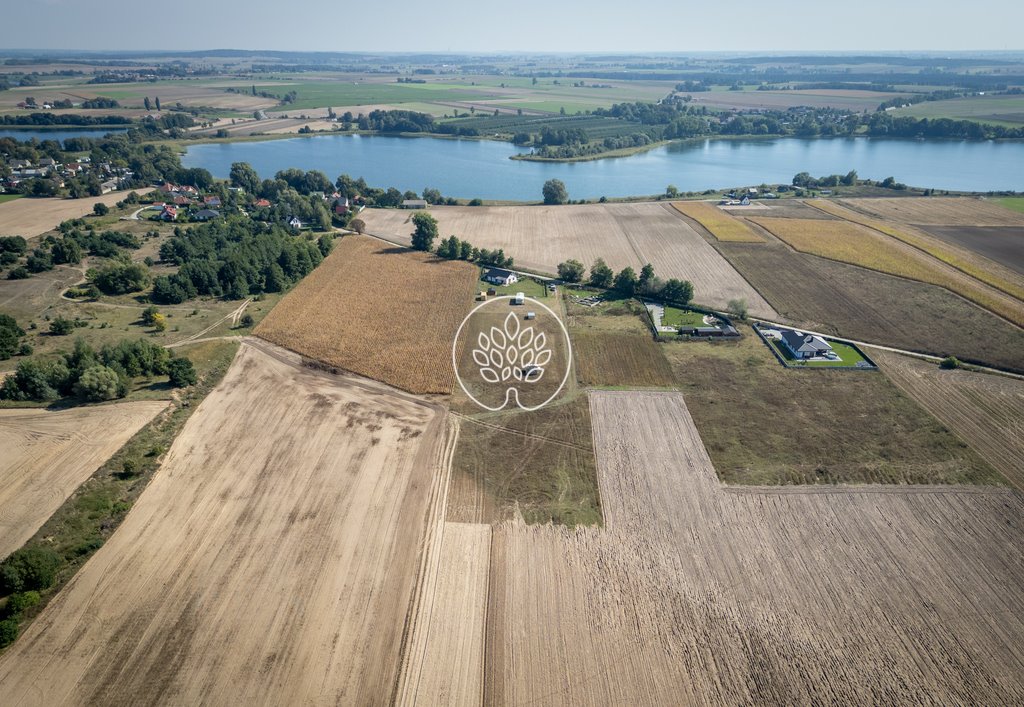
511 349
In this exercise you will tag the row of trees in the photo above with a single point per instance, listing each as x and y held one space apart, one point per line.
425 233
92 375
627 282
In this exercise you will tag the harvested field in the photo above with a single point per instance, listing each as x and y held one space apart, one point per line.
862 246
620 359
33 217
862 304
986 411
402 335
719 224
445 667
47 455
952 211
848 427
1001 244
272 559
540 237
538 465
692 594
986 270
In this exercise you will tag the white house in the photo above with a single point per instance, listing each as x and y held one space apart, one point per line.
295 223
500 276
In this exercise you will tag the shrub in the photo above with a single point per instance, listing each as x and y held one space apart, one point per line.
357 225
29 568
8 631
119 279
737 307
100 209
181 372
98 383
18 602
949 363
18 273
247 320
149 315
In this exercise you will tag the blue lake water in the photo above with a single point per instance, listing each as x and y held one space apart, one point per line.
481 168
58 134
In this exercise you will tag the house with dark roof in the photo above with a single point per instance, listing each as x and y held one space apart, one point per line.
803 346
205 215
500 276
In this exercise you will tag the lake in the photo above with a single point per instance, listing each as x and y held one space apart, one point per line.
481 168
58 134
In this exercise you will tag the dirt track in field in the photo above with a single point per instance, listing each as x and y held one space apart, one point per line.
540 237
695 594
47 455
272 559
986 411
32 217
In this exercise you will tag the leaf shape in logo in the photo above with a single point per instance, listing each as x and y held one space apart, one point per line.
497 358
483 342
489 375
512 354
511 327
540 341
481 358
498 338
526 338
542 358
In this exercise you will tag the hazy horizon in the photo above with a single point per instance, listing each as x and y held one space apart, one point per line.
530 26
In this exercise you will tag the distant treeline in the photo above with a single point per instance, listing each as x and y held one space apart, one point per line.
45 119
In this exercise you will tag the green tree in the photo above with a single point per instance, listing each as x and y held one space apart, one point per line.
99 383
571 271
100 209
600 274
147 104
28 569
678 291
10 335
181 372
158 102
949 363
149 315
554 192
626 282
426 231
646 278
357 225
243 175
671 191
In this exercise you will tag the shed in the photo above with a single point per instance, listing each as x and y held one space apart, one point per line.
414 204
520 298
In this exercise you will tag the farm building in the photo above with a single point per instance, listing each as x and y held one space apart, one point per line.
500 276
414 204
726 330
804 345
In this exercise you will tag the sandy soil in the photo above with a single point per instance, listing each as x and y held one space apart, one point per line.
446 666
47 455
540 237
32 217
274 126
986 411
694 594
271 560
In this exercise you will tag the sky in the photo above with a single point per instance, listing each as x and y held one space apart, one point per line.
606 26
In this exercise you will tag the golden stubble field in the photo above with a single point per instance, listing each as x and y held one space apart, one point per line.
383 312
695 593
272 559
47 455
720 224
540 237
32 217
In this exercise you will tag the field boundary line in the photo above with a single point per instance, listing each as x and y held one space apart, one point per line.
883 489
1014 302
867 223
